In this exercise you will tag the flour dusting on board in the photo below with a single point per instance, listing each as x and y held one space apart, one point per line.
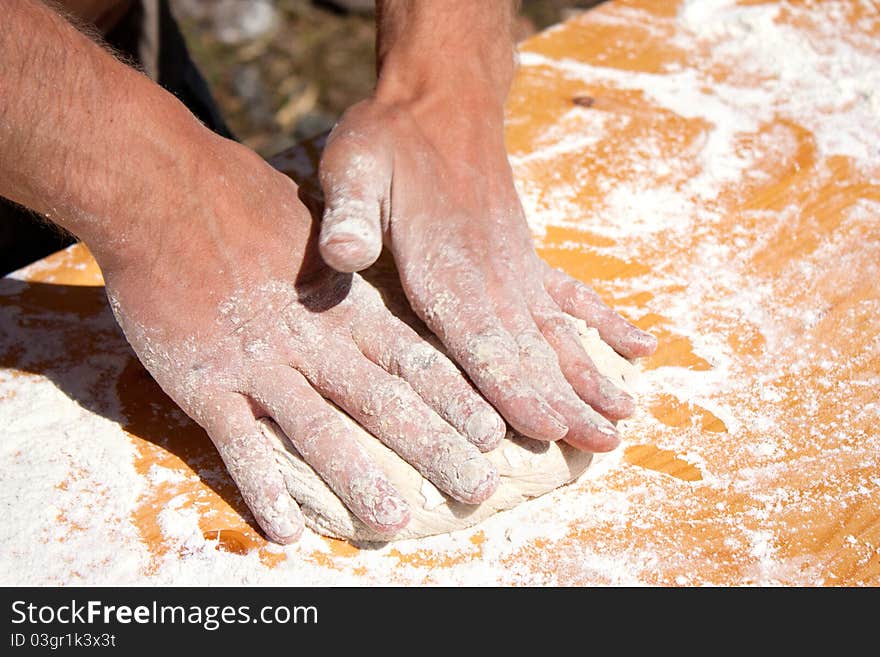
766 435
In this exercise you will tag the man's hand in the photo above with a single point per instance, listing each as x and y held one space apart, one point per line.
423 165
237 321
210 263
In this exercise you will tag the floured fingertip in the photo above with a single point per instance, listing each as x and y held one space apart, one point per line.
388 513
487 487
485 429
640 344
476 480
596 437
282 519
614 403
349 253
349 242
553 424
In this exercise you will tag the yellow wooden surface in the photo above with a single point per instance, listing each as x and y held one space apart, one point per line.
774 462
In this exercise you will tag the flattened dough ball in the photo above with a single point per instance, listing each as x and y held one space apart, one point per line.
528 469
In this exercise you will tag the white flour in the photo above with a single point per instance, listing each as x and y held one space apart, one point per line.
82 533
68 490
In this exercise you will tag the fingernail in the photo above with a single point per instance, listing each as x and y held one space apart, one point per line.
559 424
277 520
607 429
484 490
478 480
351 228
613 438
485 428
616 402
645 340
349 244
390 513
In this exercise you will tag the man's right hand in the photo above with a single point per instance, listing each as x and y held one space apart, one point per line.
235 315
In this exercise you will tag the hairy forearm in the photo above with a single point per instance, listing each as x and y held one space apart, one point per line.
84 139
457 47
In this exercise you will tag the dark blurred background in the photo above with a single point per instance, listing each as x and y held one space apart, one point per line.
284 70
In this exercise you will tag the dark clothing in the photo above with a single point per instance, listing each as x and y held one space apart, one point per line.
148 37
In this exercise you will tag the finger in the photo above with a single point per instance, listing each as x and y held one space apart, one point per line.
250 460
324 440
388 408
401 351
581 301
491 358
354 185
578 368
441 385
460 315
587 429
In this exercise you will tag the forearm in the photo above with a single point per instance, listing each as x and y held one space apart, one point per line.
457 48
84 139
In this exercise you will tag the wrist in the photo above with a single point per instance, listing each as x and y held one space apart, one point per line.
158 158
106 151
407 74
467 90
455 50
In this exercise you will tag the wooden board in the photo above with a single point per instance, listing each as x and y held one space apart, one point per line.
755 453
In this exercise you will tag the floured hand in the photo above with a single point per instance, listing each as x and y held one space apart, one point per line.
433 181
237 319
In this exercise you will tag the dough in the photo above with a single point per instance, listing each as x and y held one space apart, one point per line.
528 468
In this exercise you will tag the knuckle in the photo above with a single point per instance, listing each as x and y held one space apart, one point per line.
489 348
419 358
463 403
316 429
557 325
386 397
533 345
441 306
317 424
518 396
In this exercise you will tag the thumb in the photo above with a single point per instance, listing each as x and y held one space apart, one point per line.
354 187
